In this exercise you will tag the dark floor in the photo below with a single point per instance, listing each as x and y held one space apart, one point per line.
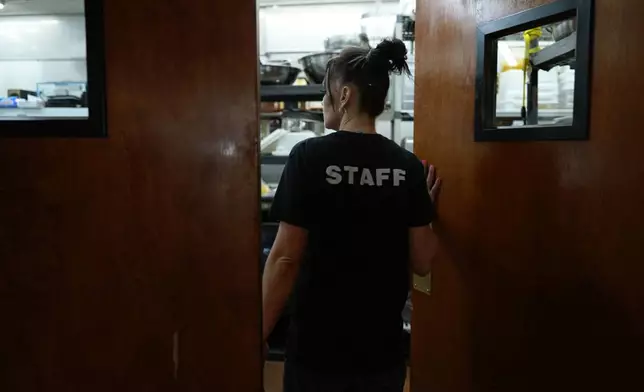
273 377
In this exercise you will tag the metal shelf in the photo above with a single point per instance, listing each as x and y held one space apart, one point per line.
266 203
560 53
266 159
43 113
543 113
311 92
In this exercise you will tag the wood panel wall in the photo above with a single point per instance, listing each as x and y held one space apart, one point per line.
540 288
108 247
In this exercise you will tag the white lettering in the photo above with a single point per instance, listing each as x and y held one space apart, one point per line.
351 170
399 176
366 178
381 175
333 175
337 174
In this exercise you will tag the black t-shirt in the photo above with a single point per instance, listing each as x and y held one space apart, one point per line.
358 195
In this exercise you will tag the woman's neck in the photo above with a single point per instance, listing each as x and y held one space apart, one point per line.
360 124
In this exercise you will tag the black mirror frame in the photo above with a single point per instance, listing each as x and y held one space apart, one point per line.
96 125
485 96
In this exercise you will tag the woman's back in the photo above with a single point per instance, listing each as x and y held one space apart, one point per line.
354 211
355 202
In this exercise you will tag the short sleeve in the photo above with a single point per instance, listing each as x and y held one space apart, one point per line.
420 210
292 203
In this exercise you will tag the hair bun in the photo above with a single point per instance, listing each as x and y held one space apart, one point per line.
391 53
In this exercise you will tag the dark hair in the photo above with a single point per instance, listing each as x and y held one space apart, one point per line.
369 70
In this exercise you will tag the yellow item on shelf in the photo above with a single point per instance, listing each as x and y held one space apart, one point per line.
519 66
265 189
528 37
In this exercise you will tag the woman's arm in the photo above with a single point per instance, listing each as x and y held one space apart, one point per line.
281 270
291 207
423 247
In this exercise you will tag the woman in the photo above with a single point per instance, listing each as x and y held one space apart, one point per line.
355 212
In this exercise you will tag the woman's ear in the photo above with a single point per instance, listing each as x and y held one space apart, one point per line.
345 95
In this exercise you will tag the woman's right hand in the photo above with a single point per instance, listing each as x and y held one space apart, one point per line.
433 183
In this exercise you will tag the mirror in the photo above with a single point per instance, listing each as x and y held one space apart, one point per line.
533 74
51 68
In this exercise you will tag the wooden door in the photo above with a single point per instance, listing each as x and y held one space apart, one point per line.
540 285
110 247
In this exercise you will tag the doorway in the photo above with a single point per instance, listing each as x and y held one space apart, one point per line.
296 40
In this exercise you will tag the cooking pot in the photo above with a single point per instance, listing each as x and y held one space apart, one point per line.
339 42
315 66
271 75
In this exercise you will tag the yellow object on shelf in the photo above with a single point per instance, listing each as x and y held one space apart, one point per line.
528 37
519 66
300 82
265 189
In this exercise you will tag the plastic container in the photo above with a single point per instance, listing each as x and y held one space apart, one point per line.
9 102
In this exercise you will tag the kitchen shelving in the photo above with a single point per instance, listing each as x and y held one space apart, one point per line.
311 92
